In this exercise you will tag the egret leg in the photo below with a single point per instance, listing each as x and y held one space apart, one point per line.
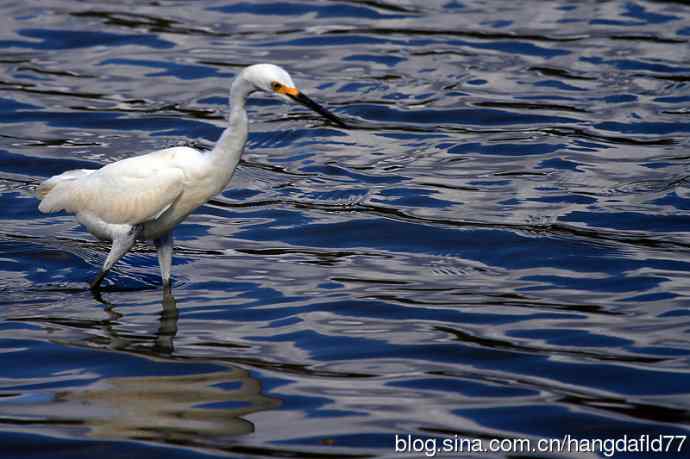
121 246
164 244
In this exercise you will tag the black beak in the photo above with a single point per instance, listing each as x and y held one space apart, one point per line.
307 102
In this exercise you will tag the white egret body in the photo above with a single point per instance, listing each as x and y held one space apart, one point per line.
145 197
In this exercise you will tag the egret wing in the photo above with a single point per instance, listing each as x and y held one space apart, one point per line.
47 185
127 192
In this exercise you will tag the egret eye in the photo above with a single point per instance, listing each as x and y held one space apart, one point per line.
276 86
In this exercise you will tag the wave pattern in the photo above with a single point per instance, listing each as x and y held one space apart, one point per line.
498 247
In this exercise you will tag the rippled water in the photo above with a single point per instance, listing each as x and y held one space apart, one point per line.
499 247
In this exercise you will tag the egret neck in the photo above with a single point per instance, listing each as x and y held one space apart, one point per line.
229 148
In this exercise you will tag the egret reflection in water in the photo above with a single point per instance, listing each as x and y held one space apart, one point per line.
195 409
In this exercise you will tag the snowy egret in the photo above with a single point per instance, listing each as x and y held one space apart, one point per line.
145 197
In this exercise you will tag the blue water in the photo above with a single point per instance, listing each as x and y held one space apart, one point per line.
499 247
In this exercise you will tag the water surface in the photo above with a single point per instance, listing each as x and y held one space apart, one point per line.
498 248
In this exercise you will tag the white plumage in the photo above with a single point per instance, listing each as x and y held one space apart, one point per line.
145 197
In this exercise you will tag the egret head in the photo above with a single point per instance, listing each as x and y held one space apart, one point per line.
273 79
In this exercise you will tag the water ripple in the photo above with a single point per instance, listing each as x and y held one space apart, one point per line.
496 247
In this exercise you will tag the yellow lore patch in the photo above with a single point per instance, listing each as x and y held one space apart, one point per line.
282 89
